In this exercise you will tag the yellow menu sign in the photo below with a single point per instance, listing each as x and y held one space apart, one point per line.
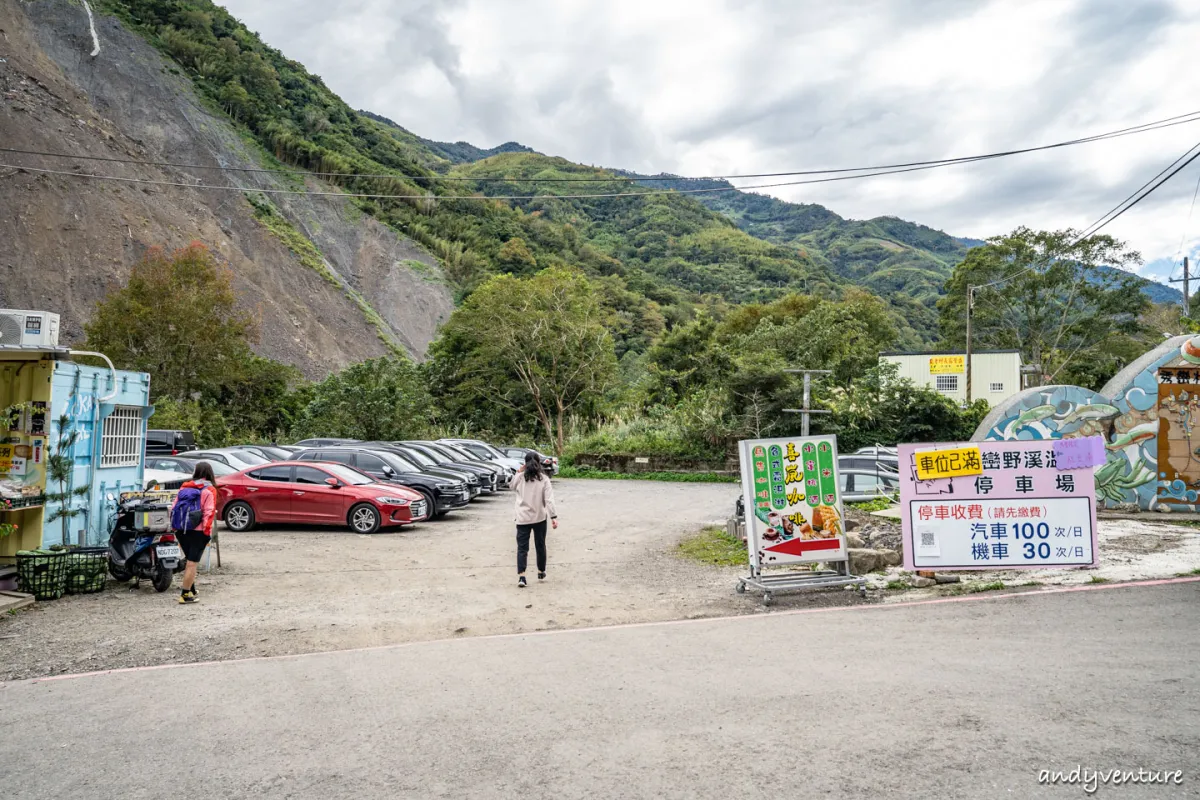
947 365
950 462
6 458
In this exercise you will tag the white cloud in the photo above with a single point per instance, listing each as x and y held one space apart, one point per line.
717 86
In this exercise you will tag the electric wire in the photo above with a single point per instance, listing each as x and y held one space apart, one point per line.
1182 119
1140 194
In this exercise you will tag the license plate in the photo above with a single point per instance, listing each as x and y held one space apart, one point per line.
169 551
418 510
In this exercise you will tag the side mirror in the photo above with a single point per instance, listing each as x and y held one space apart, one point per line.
388 471
334 482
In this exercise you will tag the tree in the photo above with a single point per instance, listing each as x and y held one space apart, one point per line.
1054 297
536 345
379 399
178 320
516 257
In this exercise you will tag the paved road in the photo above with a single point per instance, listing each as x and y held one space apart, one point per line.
950 699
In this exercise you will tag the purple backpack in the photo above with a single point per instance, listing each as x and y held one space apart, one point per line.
187 514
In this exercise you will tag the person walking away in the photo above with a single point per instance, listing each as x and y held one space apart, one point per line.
192 518
534 507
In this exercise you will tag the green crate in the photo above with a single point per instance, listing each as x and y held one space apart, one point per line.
87 570
42 573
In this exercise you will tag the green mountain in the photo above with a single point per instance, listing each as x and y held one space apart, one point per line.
887 255
658 256
456 152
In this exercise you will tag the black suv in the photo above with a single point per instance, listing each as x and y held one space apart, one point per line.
169 443
442 494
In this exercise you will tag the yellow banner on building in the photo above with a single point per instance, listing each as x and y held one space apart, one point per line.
6 458
947 365
952 462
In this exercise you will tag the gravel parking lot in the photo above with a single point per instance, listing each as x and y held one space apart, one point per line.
287 590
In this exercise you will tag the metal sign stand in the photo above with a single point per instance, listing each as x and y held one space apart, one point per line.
757 462
814 579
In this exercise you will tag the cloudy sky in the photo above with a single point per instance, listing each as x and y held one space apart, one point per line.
704 87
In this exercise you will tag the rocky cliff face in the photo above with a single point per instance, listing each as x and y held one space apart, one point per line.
332 286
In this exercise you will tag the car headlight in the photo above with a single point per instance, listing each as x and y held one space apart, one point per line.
449 487
392 501
473 479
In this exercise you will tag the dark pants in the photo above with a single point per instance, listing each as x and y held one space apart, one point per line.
538 529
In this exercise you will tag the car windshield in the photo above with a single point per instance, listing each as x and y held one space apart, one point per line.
447 453
492 452
411 464
462 451
250 459
394 461
347 474
420 457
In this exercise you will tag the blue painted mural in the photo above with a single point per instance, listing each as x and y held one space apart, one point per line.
1146 414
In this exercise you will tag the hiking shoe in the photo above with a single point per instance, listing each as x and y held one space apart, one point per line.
521 582
187 597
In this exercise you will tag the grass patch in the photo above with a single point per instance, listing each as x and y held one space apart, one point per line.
669 477
715 546
1097 579
878 504
975 588
427 272
896 585
1186 574
311 257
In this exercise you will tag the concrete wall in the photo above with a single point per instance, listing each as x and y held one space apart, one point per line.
995 376
607 462
78 393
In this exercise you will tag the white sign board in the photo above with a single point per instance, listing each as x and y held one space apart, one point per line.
1021 511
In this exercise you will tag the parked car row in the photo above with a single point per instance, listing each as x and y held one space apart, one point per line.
363 485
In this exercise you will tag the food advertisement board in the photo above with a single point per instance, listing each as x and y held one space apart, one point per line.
1029 504
793 501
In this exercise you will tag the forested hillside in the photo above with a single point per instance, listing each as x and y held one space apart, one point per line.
664 255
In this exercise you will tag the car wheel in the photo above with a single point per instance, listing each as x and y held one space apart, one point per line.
239 517
430 504
364 518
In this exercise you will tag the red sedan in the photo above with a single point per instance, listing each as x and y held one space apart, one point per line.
315 494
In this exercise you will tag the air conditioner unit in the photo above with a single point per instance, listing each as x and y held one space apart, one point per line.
28 330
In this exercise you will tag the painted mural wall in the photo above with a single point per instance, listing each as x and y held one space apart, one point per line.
1148 414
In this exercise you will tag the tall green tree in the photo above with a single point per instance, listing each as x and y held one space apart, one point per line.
539 346
379 399
1056 298
177 319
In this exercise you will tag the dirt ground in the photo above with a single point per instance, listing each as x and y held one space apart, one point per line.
293 591
612 561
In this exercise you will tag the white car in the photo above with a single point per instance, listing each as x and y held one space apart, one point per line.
486 452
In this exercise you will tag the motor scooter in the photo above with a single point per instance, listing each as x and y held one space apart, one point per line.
142 545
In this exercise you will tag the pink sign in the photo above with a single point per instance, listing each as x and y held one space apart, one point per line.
1086 451
1022 511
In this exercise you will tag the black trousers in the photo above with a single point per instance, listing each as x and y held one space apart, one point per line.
538 529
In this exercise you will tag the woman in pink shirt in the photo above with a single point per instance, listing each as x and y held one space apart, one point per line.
535 505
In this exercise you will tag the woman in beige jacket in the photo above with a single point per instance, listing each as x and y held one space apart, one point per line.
535 505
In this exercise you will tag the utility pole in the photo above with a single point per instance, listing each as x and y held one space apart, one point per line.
967 360
807 408
1187 297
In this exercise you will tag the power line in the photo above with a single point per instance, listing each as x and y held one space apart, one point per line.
1187 225
370 196
1182 119
1140 194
